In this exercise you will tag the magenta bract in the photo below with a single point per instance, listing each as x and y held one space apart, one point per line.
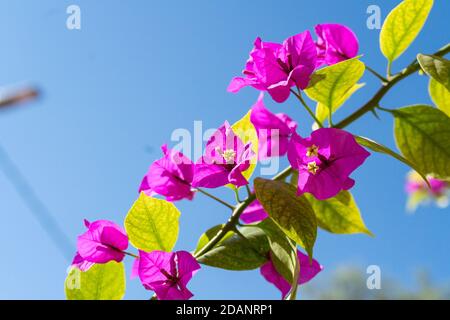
171 176
325 160
335 43
307 272
274 130
276 68
225 159
104 241
166 273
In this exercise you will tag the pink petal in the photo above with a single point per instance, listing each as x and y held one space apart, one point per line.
254 213
187 266
210 176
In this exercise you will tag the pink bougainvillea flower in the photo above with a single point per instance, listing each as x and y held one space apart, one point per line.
335 43
166 273
171 176
254 213
225 159
325 160
276 68
274 130
419 192
307 272
104 241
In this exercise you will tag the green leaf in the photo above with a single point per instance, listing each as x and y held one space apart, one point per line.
238 253
322 111
292 213
331 86
402 25
208 235
440 96
246 131
100 282
152 224
436 67
377 147
283 252
422 134
339 214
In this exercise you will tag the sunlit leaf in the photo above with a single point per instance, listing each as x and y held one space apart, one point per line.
422 134
402 25
322 111
332 86
100 282
152 224
440 96
339 214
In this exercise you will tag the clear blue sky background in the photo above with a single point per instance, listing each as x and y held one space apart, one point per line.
139 69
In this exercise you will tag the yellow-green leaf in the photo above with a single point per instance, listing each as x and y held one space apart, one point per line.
322 111
152 224
339 214
245 130
422 134
332 85
292 213
402 25
100 282
440 96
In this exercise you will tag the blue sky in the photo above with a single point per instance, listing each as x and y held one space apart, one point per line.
114 91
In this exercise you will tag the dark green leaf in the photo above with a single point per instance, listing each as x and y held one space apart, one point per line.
208 235
283 253
292 213
238 253
436 67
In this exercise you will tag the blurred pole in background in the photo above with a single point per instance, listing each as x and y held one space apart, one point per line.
24 188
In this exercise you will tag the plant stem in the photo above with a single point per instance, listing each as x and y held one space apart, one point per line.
376 74
236 193
226 204
375 100
311 113
229 226
389 70
249 192
130 254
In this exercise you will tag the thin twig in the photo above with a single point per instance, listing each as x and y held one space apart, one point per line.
226 204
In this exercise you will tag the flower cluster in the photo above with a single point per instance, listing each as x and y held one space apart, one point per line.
276 68
324 162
